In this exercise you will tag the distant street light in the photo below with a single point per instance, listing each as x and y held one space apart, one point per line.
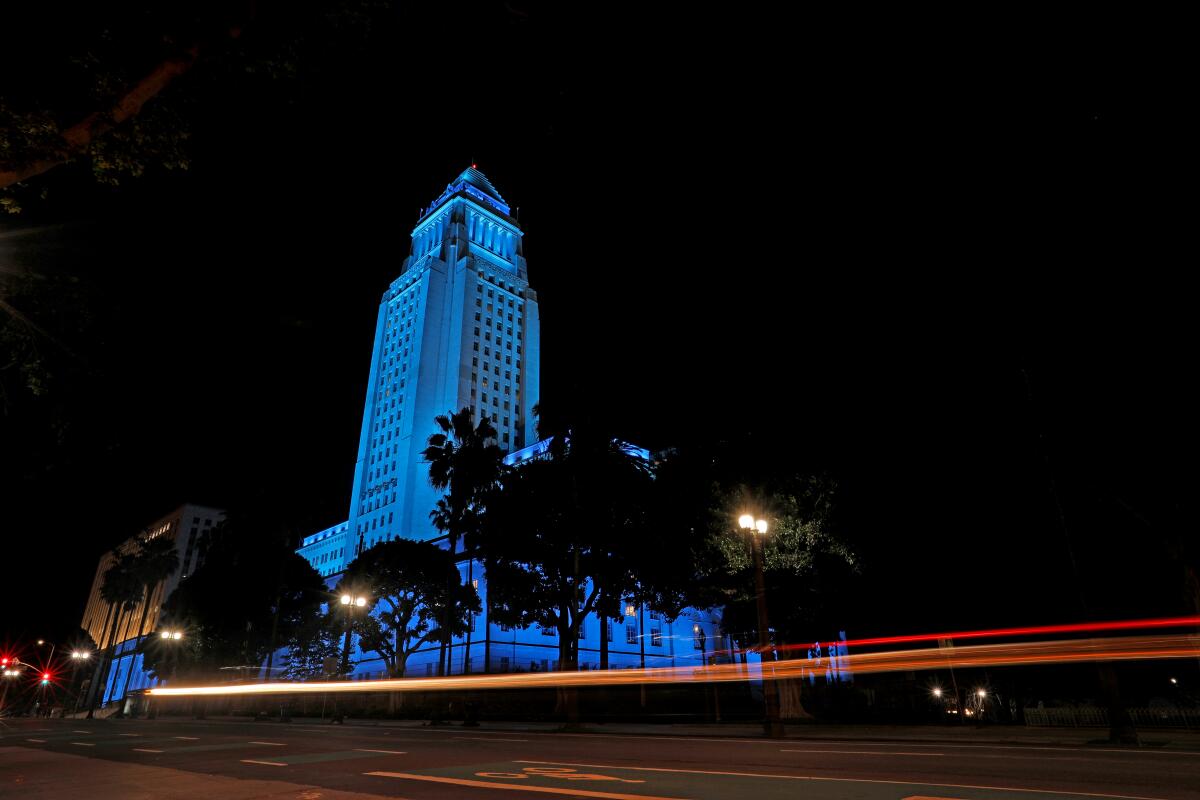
937 692
772 725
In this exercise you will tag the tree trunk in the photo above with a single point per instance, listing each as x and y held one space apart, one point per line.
470 627
568 661
487 629
603 641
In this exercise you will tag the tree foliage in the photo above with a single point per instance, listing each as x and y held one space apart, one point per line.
562 534
250 583
698 496
415 598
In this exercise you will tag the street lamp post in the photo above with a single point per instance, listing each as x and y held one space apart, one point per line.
350 602
76 657
772 725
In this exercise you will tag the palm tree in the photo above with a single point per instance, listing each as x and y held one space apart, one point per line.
156 560
465 463
118 590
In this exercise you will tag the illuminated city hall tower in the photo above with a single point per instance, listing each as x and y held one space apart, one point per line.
458 328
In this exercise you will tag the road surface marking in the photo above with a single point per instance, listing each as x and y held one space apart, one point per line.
865 752
83 744
391 752
517 787
145 750
562 773
272 744
489 739
942 745
74 731
264 763
187 738
842 780
39 741
939 745
128 734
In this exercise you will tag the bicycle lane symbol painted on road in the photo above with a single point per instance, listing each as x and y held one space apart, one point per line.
562 773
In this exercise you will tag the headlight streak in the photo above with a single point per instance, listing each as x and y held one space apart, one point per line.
1132 648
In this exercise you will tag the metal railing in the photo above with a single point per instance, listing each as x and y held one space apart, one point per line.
1095 717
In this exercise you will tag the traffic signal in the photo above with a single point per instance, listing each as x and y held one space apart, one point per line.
45 679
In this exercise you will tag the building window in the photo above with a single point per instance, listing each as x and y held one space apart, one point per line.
608 633
548 631
656 637
631 633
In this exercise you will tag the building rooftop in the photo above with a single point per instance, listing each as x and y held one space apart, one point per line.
473 182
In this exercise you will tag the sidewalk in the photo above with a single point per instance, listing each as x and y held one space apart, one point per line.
1169 739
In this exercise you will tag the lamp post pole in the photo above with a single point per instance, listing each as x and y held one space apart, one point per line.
772 726
350 603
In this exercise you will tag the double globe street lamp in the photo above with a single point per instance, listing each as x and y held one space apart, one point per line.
350 602
757 528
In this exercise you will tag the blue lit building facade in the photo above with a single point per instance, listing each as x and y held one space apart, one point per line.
459 328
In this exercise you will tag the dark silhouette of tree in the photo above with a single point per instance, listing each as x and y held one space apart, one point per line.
250 583
561 536
465 463
415 598
155 561
121 589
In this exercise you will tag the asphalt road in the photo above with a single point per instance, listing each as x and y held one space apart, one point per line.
223 760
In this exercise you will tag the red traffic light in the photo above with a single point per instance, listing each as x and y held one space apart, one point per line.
45 676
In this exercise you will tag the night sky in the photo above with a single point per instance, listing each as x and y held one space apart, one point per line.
946 274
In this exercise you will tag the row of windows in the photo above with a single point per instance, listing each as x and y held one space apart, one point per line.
502 284
325 558
487 350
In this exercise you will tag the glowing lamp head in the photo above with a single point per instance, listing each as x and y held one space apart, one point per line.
695 629
746 521
41 641
761 526
937 692
360 601
981 693
177 635
1174 681
347 599
166 634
